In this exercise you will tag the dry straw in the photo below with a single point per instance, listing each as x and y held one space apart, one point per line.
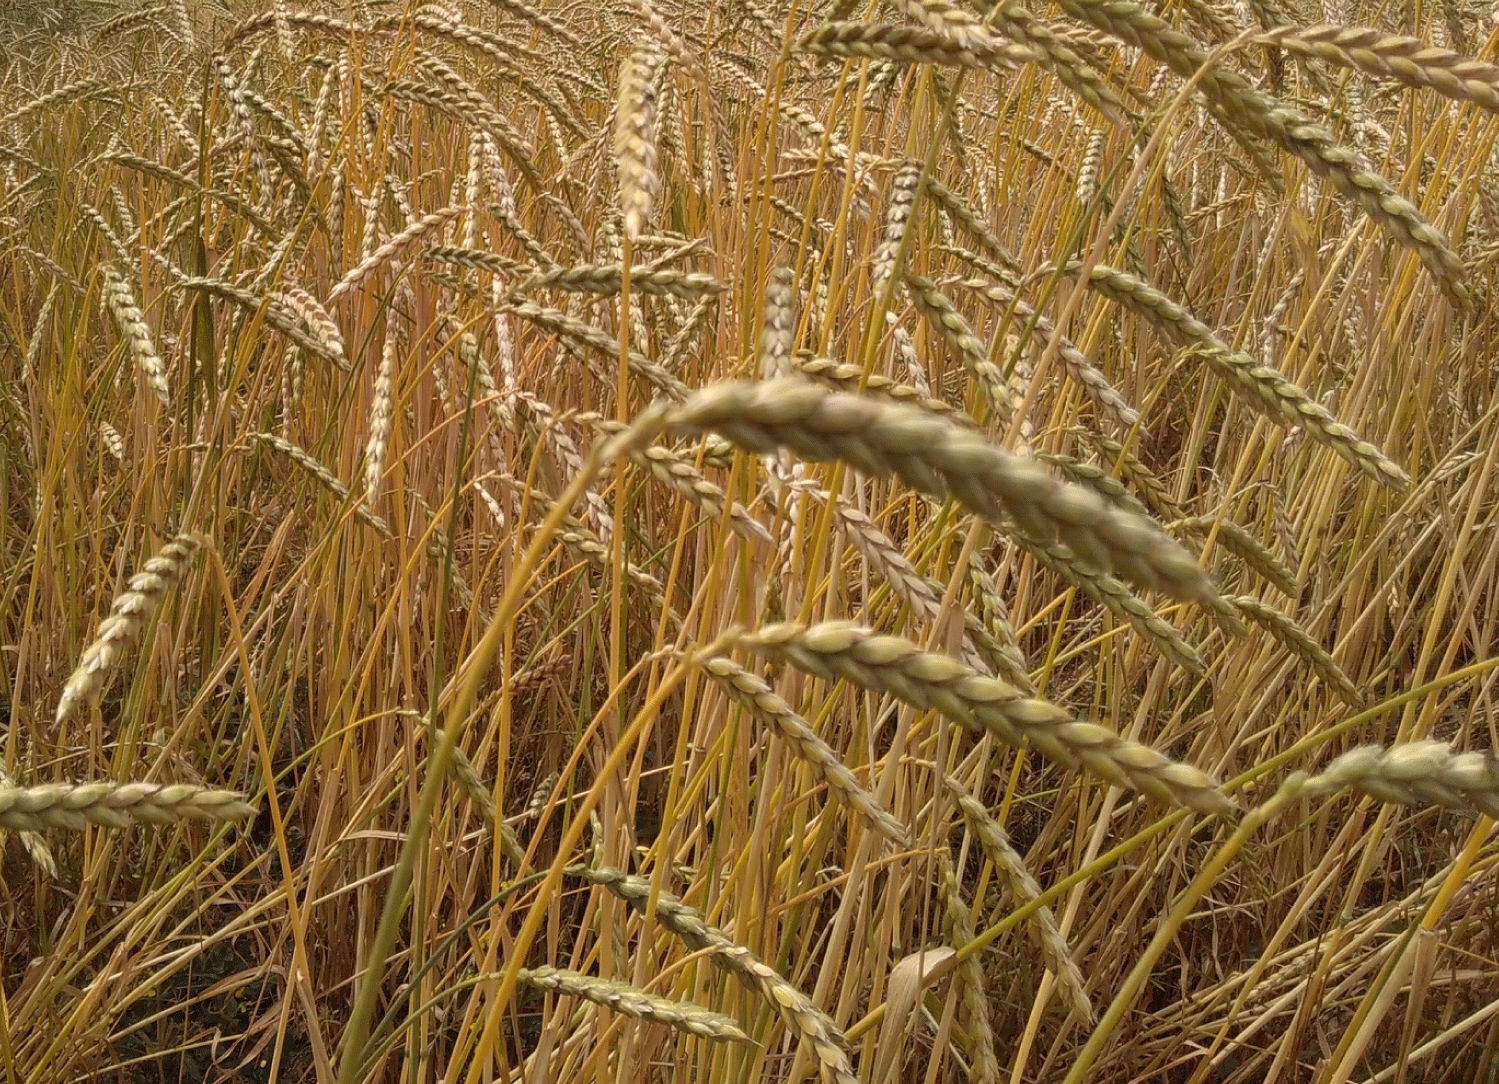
127 618
942 459
889 664
115 805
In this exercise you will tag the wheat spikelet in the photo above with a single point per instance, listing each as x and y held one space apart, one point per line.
849 378
676 473
127 617
1095 478
1152 489
1010 865
635 137
939 311
1419 773
115 805
626 999
941 459
1393 56
1301 644
34 844
1264 388
1003 646
772 712
110 437
892 665
898 211
318 321
325 477
83 88
1120 601
382 408
395 249
1054 53
607 279
131 322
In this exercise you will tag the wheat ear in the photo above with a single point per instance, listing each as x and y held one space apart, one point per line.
838 649
1010 865
942 459
115 805
1418 773
120 302
127 617
635 137
630 1001
772 712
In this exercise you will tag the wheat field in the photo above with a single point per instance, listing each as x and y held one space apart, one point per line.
659 542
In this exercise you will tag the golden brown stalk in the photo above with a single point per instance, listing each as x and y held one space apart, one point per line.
772 712
635 137
115 805
623 998
942 459
1419 773
127 618
889 664
131 322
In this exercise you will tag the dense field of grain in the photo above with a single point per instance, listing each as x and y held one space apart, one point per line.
748 542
